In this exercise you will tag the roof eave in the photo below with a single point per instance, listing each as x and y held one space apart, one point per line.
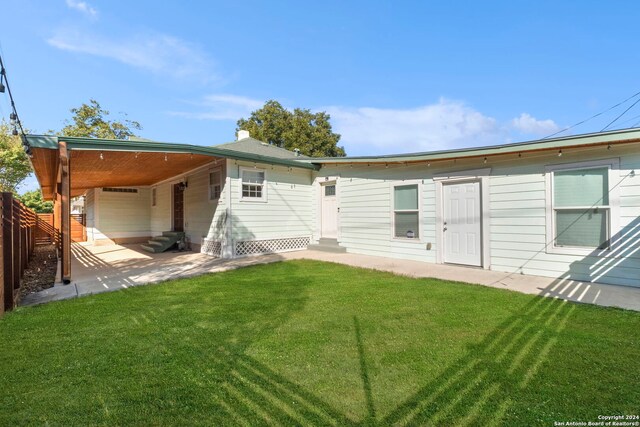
51 142
584 140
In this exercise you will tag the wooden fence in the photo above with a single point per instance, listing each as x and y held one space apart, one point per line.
78 228
17 241
45 233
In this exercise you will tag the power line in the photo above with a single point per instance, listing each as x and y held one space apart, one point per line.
622 114
597 115
14 118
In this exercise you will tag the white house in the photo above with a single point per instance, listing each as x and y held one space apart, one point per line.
565 207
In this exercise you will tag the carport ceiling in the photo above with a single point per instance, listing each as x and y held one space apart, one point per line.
94 169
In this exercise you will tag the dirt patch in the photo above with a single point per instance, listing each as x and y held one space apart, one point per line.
41 271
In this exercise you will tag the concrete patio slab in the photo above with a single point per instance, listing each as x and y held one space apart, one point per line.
99 269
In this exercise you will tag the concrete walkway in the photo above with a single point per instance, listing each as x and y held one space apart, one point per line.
99 269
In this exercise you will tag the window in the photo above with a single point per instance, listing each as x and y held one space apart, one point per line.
581 208
253 184
215 184
119 190
406 212
330 190
153 197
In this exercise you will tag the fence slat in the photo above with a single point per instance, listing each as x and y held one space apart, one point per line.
17 240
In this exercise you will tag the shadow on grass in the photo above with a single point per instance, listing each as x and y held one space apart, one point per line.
194 340
474 390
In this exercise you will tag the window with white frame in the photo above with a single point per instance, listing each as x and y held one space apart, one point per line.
215 184
406 211
581 207
153 197
253 184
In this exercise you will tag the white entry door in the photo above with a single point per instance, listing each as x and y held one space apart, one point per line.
329 217
462 223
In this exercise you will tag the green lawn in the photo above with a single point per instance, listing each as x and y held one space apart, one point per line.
305 342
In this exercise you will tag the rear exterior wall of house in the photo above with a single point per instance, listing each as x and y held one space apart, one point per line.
519 214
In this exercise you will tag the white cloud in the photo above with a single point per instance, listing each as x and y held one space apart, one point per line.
443 125
223 107
83 7
158 53
528 124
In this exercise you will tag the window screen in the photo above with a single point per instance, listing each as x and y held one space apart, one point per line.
581 208
406 213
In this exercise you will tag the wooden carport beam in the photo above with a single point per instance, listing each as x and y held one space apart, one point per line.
65 210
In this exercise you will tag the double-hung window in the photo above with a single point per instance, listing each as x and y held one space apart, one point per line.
253 184
582 203
215 184
406 211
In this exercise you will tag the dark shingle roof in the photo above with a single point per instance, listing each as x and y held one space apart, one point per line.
253 146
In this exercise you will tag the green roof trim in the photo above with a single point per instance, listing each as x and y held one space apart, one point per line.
51 142
626 135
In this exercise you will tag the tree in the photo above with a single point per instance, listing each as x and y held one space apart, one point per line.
309 132
91 121
14 163
33 199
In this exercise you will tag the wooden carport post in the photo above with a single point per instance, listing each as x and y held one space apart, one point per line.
65 211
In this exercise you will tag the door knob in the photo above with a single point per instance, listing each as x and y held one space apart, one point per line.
444 229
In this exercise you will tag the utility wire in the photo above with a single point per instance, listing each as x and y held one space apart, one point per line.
622 114
597 115
3 75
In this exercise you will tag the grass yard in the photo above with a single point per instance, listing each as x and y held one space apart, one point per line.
306 342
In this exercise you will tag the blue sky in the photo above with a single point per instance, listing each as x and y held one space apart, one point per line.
395 76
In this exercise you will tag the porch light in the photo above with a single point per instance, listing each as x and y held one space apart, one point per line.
101 156
560 153
485 160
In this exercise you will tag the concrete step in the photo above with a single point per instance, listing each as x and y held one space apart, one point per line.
173 233
328 241
162 243
328 245
148 248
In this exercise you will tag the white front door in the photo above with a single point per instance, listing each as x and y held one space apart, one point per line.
462 223
329 218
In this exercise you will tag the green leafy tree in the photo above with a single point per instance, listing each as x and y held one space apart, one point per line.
309 132
92 121
14 163
33 199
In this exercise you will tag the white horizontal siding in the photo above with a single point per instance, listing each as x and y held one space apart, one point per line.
199 211
287 211
365 218
160 214
518 223
121 214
